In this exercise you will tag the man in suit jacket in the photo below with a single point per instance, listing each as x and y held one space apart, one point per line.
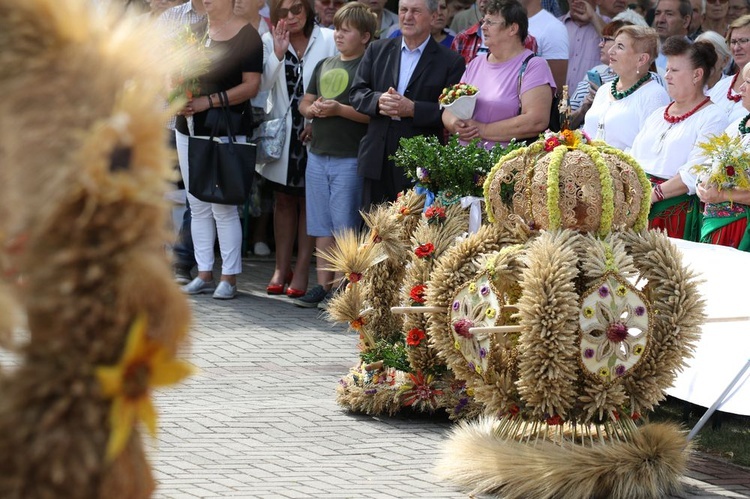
398 84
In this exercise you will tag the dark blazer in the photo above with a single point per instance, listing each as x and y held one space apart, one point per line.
438 67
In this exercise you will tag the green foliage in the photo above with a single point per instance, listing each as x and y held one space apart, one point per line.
452 168
392 354
725 435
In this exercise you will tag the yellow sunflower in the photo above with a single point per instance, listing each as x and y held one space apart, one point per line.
144 364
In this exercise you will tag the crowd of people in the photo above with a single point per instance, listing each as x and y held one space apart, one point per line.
652 79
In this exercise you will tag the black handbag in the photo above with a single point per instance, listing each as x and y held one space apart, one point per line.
220 171
554 113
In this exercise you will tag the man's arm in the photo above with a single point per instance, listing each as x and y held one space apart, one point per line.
362 96
429 114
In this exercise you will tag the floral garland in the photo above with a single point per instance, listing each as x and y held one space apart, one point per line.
488 181
605 181
557 144
553 186
642 221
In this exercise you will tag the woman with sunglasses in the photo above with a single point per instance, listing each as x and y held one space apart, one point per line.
726 211
291 52
621 107
726 92
496 74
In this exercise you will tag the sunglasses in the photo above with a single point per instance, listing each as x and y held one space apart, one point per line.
296 10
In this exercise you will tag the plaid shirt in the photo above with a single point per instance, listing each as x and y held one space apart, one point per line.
177 18
468 42
171 21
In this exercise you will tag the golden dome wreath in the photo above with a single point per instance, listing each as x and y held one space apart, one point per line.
568 320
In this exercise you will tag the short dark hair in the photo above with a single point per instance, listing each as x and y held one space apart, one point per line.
701 54
513 13
309 13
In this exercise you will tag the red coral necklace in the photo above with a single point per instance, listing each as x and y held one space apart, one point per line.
735 97
682 117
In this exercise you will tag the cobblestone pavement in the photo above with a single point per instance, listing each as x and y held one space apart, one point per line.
260 420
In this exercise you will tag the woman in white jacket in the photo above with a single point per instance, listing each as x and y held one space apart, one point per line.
290 54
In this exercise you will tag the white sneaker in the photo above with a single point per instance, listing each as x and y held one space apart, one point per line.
225 291
261 249
198 286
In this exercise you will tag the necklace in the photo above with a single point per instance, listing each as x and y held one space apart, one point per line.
217 31
621 95
743 125
683 117
735 97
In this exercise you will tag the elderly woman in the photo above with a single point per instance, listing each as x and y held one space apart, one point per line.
726 91
496 116
620 108
722 60
727 210
237 73
666 147
294 39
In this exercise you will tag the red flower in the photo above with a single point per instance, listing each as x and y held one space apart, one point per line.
354 277
554 420
730 170
358 323
414 337
551 143
417 293
425 250
635 416
435 212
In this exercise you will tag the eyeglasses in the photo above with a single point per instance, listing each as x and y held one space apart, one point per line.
739 41
717 1
486 22
295 9
335 3
606 39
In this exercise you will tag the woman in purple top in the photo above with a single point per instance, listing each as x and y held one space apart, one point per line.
496 116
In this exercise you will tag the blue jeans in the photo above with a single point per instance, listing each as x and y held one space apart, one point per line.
184 254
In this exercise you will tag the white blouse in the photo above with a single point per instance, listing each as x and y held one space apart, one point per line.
665 150
617 122
718 95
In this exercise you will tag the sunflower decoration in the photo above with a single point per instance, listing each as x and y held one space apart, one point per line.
144 365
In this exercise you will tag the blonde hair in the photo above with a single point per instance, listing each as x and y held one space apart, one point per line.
644 39
357 16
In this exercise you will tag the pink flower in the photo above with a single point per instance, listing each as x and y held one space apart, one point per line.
461 327
551 143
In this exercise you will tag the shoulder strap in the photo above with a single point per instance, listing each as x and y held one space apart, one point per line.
520 77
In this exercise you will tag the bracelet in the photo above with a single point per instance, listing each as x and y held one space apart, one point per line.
210 101
659 193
